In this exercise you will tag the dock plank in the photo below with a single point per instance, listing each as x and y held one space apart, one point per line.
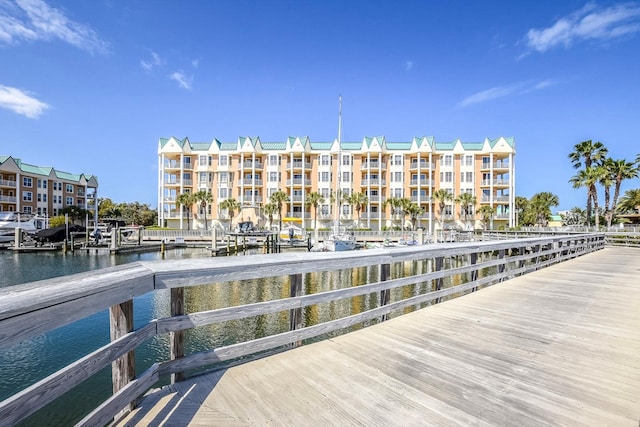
559 346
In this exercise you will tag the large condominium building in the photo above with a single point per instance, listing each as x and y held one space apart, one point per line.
43 190
250 171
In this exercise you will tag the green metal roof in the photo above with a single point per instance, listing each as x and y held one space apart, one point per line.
200 146
398 145
279 146
321 145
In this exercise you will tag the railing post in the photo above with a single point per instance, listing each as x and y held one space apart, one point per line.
176 338
123 370
502 265
295 314
439 281
473 258
385 295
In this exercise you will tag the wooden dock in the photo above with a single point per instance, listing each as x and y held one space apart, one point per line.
559 346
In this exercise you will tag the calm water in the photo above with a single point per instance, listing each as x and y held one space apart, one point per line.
36 358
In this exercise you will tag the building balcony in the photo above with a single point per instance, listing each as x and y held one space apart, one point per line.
422 182
502 215
496 165
251 165
169 198
374 165
250 200
496 199
376 199
305 215
421 165
8 199
495 183
7 183
367 182
421 199
249 182
299 165
373 216
297 182
175 164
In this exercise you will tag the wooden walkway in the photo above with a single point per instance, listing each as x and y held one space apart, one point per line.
560 346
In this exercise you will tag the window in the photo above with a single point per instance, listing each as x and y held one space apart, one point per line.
27 182
223 160
325 192
325 177
42 197
27 209
57 186
69 188
325 160
346 210
398 193
42 183
448 210
468 160
223 193
346 160
27 196
346 176
397 160
69 201
448 177
469 176
397 176
274 160
448 160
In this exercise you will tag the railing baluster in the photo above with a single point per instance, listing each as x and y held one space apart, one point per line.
123 369
177 338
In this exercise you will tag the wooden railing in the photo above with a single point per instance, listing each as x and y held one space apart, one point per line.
34 308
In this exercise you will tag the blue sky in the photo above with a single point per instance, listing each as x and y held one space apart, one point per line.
90 86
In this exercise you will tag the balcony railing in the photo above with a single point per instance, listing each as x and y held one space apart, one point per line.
307 215
251 200
496 165
420 199
376 199
7 183
300 165
252 181
374 165
375 181
8 199
421 165
421 181
372 215
299 182
175 164
495 182
252 165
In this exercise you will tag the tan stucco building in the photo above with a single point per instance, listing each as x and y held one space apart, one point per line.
250 170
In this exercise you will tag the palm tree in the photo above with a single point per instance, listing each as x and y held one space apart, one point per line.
521 206
467 202
486 212
588 152
442 196
588 178
359 201
396 205
630 202
541 205
186 200
203 198
413 210
269 209
314 199
279 198
620 170
231 205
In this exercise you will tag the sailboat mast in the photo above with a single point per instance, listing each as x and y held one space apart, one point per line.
338 181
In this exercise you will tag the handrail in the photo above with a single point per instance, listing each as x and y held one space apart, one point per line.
34 308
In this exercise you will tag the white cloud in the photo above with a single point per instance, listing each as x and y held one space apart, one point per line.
155 61
183 80
195 63
589 23
20 102
408 65
35 20
518 88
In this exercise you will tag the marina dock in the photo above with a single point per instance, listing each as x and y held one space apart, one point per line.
559 346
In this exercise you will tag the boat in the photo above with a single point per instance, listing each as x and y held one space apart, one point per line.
339 239
28 223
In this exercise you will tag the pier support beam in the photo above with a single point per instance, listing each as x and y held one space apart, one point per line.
123 370
176 339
